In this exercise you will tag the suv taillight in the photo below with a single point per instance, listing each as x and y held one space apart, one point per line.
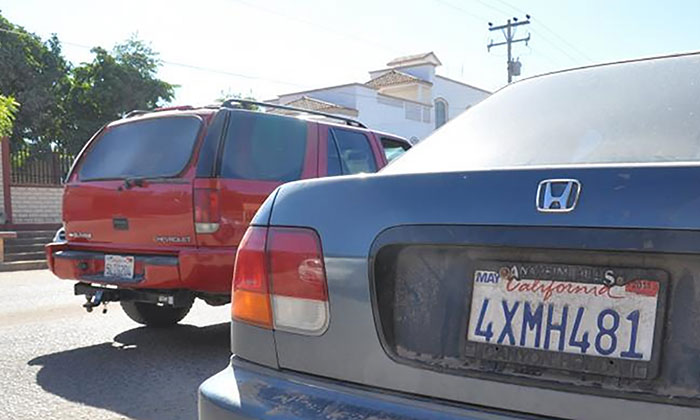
206 210
279 280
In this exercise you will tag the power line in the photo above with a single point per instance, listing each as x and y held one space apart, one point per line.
550 30
211 70
464 11
543 25
355 38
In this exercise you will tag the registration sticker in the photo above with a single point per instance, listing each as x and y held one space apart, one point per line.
565 309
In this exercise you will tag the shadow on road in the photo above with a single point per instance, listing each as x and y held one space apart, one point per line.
144 374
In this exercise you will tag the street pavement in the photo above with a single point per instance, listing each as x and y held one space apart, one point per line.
59 362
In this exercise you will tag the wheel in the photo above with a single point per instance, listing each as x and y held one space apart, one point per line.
152 315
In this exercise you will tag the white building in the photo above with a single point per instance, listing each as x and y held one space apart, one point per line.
407 98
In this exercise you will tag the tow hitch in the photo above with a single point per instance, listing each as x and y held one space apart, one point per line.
95 300
97 295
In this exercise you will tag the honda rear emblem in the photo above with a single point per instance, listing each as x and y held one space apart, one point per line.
557 195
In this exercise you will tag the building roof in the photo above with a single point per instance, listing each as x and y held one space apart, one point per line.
355 84
394 77
415 59
313 104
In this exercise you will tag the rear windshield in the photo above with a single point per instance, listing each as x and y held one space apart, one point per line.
643 112
264 147
153 148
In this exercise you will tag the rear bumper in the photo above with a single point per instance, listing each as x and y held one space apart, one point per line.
200 269
248 391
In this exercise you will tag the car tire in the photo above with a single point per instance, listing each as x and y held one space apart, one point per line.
152 315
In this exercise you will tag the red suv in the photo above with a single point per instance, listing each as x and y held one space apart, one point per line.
157 203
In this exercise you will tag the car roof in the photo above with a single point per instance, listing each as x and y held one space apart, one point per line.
606 64
205 111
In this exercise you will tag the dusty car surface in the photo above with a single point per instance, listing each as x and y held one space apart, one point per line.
537 256
157 202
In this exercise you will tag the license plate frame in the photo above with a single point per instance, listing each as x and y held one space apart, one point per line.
119 266
507 358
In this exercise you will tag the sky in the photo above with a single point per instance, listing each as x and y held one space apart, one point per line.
264 48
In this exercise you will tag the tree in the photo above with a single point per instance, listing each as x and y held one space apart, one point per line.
111 85
62 105
35 74
8 108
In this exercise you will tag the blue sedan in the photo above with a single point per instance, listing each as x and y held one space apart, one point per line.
535 257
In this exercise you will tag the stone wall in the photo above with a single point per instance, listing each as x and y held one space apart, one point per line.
36 204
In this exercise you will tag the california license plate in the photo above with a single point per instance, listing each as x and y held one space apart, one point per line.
119 266
577 310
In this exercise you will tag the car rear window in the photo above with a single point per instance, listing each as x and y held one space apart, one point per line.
264 147
628 113
156 147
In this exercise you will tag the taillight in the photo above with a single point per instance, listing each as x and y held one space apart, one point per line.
288 267
251 302
206 210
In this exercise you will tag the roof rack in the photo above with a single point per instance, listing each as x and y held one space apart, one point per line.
135 112
228 103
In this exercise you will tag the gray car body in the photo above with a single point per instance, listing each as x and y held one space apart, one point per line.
649 211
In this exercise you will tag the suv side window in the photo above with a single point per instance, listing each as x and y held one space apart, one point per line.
354 152
264 147
393 148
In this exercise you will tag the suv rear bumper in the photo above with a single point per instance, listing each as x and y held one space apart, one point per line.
200 269
248 391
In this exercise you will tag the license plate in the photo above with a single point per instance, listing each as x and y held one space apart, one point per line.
565 309
119 266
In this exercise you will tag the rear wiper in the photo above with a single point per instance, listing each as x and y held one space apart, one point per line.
138 181
134 181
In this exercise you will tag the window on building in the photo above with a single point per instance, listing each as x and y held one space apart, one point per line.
353 150
393 148
440 112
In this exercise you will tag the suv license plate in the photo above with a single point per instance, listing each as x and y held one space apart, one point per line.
564 314
119 266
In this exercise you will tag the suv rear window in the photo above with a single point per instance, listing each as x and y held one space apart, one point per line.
152 148
264 147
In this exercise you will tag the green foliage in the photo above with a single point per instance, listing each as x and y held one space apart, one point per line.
62 105
110 86
8 108
35 74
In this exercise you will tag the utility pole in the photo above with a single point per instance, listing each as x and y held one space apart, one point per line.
509 33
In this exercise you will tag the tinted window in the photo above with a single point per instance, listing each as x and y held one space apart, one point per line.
264 147
334 166
157 147
639 112
355 152
207 152
393 148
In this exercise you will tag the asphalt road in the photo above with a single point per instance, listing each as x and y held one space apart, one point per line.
59 362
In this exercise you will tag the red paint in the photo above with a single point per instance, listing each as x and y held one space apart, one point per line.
168 210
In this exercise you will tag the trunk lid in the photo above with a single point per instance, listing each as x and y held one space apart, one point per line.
132 186
402 254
